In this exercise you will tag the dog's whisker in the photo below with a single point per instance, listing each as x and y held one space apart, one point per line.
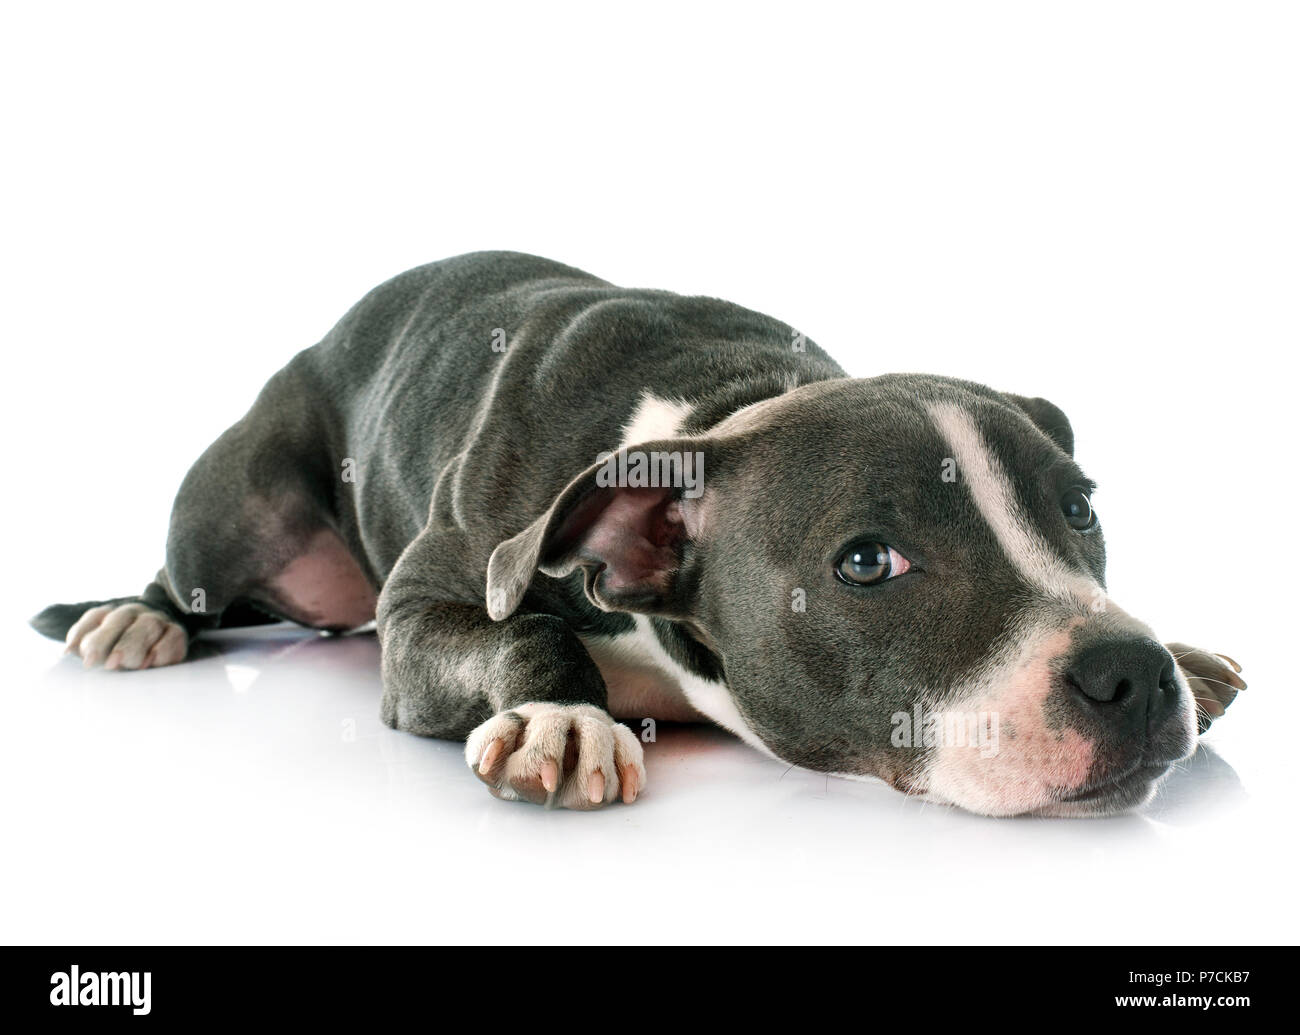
1221 682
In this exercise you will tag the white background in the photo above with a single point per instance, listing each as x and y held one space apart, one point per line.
1096 203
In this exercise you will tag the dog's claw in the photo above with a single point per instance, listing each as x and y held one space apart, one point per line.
1235 666
491 756
571 756
627 781
1213 679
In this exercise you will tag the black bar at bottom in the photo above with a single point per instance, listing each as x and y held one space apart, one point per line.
559 986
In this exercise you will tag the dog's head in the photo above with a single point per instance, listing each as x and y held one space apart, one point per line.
900 577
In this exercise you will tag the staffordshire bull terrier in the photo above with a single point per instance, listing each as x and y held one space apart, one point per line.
565 503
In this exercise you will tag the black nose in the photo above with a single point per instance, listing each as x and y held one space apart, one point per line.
1132 679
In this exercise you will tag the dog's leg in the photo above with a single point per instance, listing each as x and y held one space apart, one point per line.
251 540
1214 680
523 691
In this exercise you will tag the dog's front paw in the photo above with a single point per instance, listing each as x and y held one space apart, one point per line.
1213 680
572 755
127 636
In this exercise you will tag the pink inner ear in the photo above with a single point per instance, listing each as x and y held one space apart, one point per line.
636 537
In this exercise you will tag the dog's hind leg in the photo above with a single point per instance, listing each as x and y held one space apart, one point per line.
122 633
254 537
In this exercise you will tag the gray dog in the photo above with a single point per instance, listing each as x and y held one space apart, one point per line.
564 501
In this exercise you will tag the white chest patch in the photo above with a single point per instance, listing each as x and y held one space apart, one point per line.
655 418
643 679
645 682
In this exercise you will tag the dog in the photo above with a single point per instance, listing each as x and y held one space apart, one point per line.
566 503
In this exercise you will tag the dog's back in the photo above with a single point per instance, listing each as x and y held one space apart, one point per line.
466 393
468 368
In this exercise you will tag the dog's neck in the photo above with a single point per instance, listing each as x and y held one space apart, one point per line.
727 398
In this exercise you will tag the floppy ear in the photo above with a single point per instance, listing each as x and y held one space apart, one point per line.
1049 417
627 521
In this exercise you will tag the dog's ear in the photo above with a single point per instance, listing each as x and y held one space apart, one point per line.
1049 417
627 521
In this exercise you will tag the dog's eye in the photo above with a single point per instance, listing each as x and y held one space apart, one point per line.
1077 509
868 563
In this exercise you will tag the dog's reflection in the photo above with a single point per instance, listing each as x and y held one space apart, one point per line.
1198 786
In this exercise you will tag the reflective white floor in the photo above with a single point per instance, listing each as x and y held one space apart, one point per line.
254 796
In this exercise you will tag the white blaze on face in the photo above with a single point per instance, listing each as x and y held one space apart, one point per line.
982 474
1037 758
